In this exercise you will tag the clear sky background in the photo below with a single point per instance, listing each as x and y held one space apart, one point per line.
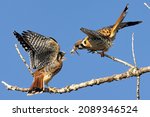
62 20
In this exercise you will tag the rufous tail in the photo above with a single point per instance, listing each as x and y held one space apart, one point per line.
37 85
118 22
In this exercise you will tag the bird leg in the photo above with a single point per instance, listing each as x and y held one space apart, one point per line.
102 54
91 51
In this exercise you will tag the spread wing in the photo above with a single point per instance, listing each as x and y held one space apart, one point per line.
95 35
42 50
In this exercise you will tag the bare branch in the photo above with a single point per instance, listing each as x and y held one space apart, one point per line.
147 5
7 85
138 88
118 60
14 88
22 58
138 77
133 53
128 74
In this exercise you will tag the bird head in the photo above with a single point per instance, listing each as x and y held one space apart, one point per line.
81 44
77 45
60 56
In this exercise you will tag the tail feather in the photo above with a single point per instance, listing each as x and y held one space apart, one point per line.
126 24
118 22
37 85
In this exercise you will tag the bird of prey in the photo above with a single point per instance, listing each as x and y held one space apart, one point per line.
101 40
45 57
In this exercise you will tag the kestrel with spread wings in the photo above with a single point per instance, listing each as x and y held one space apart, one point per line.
45 57
102 39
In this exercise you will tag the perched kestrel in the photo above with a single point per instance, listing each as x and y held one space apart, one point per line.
102 39
45 57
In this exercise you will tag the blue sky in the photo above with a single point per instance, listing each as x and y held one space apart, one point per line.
62 20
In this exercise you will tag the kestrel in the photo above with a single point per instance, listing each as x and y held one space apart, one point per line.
102 39
45 57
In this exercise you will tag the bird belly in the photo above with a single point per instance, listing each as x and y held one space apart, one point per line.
47 78
98 45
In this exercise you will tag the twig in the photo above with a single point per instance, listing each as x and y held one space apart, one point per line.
14 88
147 5
118 60
7 85
133 53
128 74
138 88
24 61
138 77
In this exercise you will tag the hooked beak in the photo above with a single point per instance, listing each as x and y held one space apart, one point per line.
74 50
76 47
63 55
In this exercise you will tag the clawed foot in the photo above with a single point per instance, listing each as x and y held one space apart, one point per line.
102 54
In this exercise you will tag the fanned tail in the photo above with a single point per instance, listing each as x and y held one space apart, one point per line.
126 24
118 22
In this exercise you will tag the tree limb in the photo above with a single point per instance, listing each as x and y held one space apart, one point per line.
128 74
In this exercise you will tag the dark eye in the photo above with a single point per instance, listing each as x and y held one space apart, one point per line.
84 42
76 46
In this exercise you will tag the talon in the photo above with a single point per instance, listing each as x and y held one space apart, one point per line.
102 54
